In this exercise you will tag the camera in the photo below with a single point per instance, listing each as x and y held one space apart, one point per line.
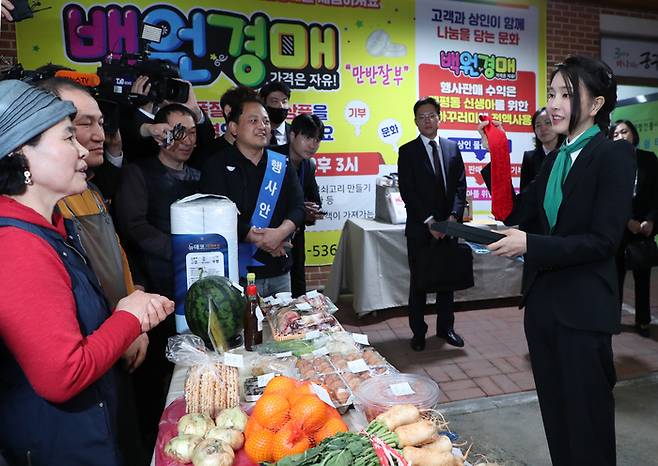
118 76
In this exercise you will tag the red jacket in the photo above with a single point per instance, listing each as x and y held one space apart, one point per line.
38 321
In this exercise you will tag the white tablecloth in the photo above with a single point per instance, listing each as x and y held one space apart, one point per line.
371 263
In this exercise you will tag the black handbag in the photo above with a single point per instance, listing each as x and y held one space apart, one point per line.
448 266
641 254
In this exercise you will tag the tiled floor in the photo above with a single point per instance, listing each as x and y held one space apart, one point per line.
495 358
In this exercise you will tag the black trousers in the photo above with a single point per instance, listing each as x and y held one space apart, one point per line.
445 309
298 269
574 375
642 279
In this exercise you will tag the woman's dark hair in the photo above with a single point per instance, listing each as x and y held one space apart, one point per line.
12 166
236 112
599 80
631 126
163 114
533 120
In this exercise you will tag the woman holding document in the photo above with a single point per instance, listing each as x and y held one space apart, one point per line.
580 201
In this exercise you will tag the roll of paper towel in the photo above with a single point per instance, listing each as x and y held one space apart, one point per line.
204 231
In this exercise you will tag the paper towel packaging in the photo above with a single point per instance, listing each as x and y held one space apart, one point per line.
204 232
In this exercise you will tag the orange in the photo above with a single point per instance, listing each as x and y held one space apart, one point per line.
331 428
304 388
310 412
252 426
258 445
289 440
281 384
271 411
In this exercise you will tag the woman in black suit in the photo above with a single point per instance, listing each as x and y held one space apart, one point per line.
581 200
546 141
642 223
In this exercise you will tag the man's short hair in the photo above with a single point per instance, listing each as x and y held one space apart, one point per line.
308 125
237 111
425 101
56 85
163 114
234 96
274 86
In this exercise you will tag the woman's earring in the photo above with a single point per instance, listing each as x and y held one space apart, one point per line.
28 177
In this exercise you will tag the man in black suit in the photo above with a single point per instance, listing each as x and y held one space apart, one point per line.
433 186
276 96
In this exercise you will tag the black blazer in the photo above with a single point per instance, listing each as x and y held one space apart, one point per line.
645 201
570 271
419 187
531 164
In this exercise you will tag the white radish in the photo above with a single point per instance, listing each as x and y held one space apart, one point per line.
399 415
415 434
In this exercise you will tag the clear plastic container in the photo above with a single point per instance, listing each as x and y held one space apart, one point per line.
378 394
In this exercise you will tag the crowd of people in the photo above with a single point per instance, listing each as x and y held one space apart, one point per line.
91 204
85 220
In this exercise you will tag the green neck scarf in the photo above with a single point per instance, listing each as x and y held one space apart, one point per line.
559 172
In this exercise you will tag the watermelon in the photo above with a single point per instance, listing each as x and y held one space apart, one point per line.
218 295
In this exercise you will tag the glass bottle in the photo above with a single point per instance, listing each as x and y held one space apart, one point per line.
253 326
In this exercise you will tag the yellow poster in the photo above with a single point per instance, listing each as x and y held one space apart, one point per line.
358 64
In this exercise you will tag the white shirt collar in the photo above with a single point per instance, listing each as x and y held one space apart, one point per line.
427 140
571 141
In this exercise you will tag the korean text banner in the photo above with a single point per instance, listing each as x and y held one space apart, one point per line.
358 64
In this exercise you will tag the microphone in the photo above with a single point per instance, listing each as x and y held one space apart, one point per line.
86 79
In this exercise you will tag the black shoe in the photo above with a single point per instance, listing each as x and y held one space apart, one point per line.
418 343
451 338
643 330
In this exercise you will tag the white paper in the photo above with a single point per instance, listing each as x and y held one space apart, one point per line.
260 317
356 366
321 351
286 354
361 338
401 389
322 394
312 294
303 306
234 360
264 379
313 334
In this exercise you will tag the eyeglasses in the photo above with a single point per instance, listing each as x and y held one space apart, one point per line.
427 116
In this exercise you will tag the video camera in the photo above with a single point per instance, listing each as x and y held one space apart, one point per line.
118 76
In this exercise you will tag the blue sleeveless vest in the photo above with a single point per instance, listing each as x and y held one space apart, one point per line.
81 431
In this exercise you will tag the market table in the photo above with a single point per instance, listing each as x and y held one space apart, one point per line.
371 263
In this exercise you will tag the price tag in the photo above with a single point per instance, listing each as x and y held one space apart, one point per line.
234 360
303 306
312 335
264 379
402 389
260 317
286 354
321 351
237 287
356 366
322 394
312 294
361 338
